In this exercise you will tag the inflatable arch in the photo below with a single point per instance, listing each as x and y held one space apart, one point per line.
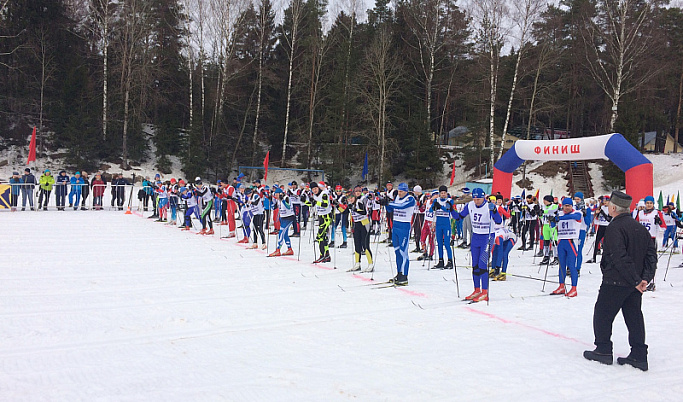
638 168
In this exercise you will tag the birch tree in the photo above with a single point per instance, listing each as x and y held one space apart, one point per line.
489 16
384 70
426 22
618 41
525 13
130 46
264 29
296 14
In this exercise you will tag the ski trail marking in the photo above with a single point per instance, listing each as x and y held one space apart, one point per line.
527 326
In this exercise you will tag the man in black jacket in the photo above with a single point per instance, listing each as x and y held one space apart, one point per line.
629 262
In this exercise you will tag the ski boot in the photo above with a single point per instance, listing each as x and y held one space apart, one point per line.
555 261
209 232
502 277
401 280
545 260
422 257
416 250
244 240
440 264
253 247
477 292
288 252
343 245
651 287
483 296
331 244
561 290
591 261
449 265
539 254
275 253
572 292
356 267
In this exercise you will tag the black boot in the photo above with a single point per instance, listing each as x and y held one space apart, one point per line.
449 265
545 260
556 261
539 254
416 250
598 357
331 243
641 365
343 245
401 280
439 265
422 257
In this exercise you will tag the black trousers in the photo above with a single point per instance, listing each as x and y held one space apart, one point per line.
361 238
258 228
418 221
598 236
611 300
529 227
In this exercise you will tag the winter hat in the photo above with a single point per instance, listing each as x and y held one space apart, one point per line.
465 190
313 185
278 190
443 188
567 201
641 204
477 193
622 199
578 194
337 188
15 173
548 198
417 189
182 189
499 197
27 170
62 171
403 187
47 171
173 181
77 173
321 184
648 198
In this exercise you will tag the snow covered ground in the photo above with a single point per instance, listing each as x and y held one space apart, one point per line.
107 306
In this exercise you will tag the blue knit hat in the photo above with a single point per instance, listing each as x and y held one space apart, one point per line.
578 194
478 193
403 187
568 201
649 198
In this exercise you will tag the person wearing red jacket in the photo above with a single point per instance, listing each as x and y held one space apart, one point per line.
229 207
98 185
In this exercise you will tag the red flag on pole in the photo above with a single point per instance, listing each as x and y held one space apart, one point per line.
265 165
453 173
32 148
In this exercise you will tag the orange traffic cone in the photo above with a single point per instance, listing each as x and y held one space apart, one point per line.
128 211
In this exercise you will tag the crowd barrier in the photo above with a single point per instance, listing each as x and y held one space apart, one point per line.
116 197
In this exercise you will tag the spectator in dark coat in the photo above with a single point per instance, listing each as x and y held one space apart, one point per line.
29 184
85 192
61 189
629 261
15 182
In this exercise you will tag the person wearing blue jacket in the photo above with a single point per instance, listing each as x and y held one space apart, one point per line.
76 190
402 208
568 223
443 206
483 214
15 182
29 184
62 183
587 214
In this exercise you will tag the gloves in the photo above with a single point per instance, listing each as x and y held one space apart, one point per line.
492 207
658 221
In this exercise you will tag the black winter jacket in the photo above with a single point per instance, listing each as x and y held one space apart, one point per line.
629 254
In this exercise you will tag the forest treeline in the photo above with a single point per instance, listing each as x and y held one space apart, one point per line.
219 83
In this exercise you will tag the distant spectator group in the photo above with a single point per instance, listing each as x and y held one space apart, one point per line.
76 189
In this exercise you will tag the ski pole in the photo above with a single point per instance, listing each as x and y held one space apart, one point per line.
455 268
